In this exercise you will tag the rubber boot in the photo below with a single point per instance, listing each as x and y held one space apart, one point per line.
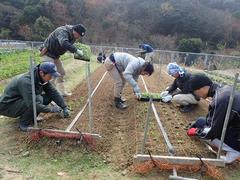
61 88
119 104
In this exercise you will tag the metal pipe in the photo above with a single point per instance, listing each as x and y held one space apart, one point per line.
170 147
146 126
32 64
82 110
180 178
227 115
90 124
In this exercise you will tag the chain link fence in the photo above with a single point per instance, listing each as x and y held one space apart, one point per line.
221 68
8 46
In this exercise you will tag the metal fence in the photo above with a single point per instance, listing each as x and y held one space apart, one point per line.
221 68
8 46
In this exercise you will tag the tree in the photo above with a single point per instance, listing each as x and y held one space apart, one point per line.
5 33
190 45
42 26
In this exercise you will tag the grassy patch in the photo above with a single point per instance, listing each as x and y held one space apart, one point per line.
17 62
40 165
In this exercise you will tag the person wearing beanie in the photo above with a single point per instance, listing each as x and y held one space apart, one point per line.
210 127
16 100
124 67
146 52
57 43
180 89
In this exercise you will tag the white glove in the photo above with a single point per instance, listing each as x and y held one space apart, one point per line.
79 52
164 93
167 98
206 130
136 89
138 95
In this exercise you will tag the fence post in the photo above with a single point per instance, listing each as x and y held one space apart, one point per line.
90 124
227 114
146 126
32 64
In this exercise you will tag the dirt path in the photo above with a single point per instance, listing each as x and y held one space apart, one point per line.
174 121
122 131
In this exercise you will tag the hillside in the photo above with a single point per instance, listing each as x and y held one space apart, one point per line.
126 22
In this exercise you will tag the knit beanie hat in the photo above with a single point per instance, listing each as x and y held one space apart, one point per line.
198 81
173 68
80 29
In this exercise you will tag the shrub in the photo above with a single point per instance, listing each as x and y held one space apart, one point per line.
190 45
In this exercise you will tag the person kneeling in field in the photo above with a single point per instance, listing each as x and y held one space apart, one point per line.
124 67
180 90
211 126
16 101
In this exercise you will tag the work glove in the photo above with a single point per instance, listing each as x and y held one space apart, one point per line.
164 93
136 89
192 132
65 112
167 98
79 52
55 109
138 95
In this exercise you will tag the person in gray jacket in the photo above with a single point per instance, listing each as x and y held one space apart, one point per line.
124 67
57 43
16 101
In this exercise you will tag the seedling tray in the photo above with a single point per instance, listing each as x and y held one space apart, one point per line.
147 96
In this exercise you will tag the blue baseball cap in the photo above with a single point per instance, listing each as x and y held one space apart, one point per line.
173 68
49 68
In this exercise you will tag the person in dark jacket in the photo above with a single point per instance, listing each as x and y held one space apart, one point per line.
146 52
180 89
210 127
101 57
58 42
16 101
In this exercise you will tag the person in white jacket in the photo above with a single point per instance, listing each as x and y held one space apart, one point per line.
124 67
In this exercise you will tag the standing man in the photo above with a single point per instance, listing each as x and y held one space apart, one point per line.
147 52
210 127
16 101
124 67
180 89
57 43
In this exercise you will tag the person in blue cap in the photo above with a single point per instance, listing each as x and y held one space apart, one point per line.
146 52
180 90
16 100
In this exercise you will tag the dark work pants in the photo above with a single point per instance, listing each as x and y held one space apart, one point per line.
19 108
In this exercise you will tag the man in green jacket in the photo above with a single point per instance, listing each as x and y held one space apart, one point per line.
16 101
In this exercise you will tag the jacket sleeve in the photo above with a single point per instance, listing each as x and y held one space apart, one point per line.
25 90
63 40
53 93
173 87
129 73
216 117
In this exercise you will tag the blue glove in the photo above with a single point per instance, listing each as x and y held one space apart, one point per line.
138 95
65 112
136 89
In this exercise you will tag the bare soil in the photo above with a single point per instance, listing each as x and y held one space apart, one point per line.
122 130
